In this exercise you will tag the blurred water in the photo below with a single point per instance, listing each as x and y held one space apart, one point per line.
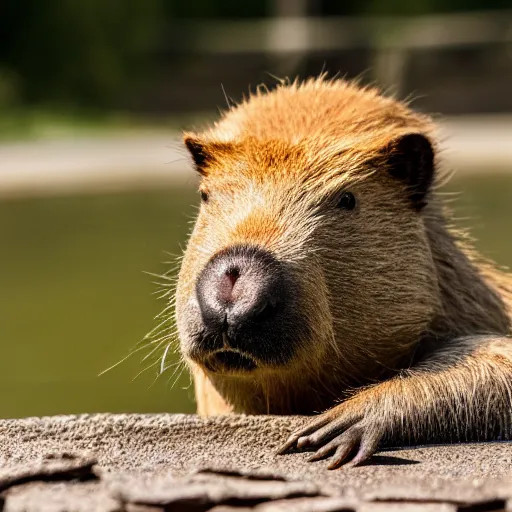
74 298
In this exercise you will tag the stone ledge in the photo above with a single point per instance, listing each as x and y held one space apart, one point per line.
109 463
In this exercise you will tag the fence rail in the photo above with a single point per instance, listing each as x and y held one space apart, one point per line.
305 34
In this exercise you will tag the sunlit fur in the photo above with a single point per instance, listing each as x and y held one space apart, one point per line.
375 282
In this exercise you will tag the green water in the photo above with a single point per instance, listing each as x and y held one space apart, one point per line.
74 298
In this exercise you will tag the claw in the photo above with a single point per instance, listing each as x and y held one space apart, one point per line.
324 452
291 442
368 446
324 434
302 442
341 455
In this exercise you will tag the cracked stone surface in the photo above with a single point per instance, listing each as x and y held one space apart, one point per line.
151 463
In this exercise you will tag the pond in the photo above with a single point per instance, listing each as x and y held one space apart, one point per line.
74 298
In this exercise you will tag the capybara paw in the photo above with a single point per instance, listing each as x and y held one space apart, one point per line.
345 439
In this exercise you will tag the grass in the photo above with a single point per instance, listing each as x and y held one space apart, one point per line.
58 123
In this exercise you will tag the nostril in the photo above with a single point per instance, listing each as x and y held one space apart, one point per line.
227 283
233 273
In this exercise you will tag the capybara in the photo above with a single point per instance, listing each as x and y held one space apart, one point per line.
322 277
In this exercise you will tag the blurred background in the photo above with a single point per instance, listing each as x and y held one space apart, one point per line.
95 188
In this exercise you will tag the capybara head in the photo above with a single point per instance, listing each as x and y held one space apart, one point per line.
309 254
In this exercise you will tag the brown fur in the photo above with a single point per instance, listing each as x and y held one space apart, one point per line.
410 327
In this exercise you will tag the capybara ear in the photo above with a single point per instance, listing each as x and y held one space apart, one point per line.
410 158
205 152
198 150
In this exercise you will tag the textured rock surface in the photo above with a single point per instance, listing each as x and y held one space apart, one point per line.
139 463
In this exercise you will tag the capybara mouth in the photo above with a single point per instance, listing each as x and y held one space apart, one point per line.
230 361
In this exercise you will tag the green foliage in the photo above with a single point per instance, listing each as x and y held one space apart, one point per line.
76 51
407 7
216 9
97 52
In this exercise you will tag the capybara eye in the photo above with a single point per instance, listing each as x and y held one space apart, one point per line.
347 201
204 196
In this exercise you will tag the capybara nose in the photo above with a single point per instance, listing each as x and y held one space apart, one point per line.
239 291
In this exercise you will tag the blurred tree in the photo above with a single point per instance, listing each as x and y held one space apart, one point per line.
384 7
76 51
95 52
216 8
